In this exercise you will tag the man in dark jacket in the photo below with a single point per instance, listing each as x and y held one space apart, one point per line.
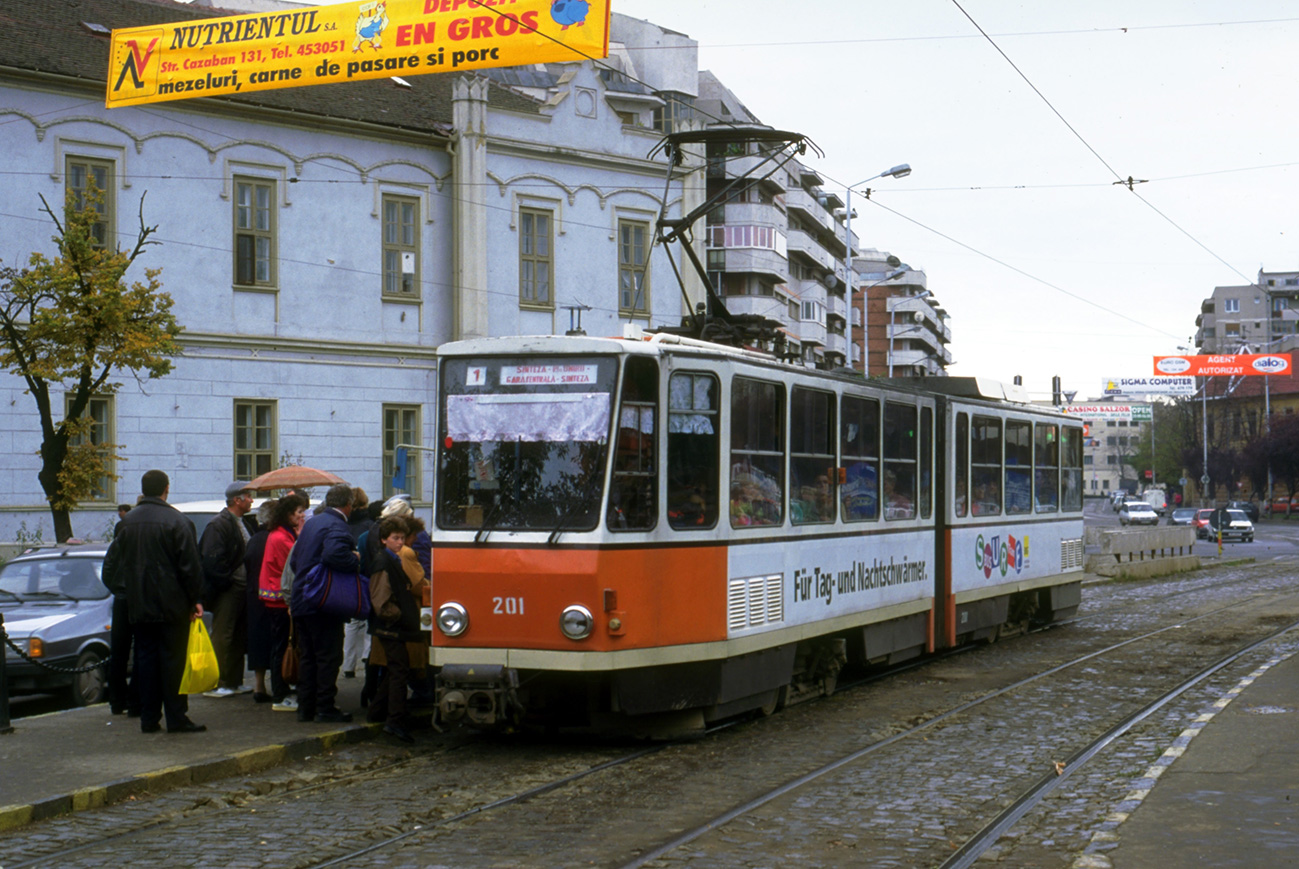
154 563
324 541
225 540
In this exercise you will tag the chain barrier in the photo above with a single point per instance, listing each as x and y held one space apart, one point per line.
51 667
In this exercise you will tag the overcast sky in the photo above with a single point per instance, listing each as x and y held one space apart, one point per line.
1199 98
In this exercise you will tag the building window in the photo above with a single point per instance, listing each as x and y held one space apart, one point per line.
1231 306
676 109
633 282
401 426
400 246
1111 460
83 176
535 266
254 438
98 433
254 232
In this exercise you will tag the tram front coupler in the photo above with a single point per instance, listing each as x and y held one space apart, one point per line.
483 696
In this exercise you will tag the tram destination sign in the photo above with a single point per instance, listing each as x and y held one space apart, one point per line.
1149 385
1110 412
345 42
1239 365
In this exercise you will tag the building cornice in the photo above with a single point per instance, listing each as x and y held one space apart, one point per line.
276 348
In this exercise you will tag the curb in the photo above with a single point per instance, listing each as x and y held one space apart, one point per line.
241 763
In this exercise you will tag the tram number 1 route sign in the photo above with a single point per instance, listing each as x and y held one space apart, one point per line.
346 42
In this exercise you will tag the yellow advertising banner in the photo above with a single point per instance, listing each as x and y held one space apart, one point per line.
347 42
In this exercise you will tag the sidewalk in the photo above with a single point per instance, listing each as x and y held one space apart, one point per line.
1232 799
83 758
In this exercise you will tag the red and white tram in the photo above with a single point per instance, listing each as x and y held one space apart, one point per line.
649 534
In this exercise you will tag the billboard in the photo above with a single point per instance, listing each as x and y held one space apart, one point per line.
1242 364
1115 412
347 42
1148 385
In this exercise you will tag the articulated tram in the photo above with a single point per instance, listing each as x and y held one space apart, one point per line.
648 534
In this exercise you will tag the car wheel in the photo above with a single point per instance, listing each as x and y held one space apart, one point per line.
91 686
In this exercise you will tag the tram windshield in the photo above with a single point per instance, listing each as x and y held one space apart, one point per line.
524 441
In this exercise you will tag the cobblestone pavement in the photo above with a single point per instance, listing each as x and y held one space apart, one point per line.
907 805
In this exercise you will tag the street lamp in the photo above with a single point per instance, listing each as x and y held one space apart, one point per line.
893 321
901 170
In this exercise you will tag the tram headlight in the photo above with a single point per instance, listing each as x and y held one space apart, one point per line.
452 619
576 622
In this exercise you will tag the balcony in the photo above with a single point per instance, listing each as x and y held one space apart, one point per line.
810 333
734 167
836 306
800 242
803 202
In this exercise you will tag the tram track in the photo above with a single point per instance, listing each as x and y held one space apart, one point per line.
988 835
437 824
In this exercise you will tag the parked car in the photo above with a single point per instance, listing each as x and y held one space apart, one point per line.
1284 505
1249 508
58 611
1137 513
1182 516
1232 524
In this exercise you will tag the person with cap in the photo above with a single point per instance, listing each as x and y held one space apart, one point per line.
223 547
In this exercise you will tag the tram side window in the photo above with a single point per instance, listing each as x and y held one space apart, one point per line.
693 449
635 469
1046 468
1019 466
926 462
859 446
757 453
899 461
811 456
961 486
985 466
1071 463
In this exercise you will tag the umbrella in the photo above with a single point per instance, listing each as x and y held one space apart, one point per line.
293 477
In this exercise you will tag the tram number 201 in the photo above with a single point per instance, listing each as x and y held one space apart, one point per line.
507 606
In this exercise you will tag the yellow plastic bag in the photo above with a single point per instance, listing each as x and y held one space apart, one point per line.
201 668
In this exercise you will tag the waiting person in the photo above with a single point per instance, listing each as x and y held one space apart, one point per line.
122 694
394 622
224 544
324 541
259 625
285 522
356 639
154 563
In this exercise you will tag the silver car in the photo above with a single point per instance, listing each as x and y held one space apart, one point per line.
57 610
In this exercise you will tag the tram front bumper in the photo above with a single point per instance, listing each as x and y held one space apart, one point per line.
483 695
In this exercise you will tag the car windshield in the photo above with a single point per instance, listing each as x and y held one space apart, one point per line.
1183 514
524 441
1237 516
67 577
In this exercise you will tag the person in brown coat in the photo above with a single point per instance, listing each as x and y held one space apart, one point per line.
394 621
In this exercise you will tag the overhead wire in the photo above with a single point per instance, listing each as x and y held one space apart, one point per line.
1129 182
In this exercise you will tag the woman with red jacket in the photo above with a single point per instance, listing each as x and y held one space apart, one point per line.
286 520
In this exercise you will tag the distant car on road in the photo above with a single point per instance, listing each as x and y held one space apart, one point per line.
1201 523
1284 505
1137 513
1182 516
1232 525
57 610
1247 507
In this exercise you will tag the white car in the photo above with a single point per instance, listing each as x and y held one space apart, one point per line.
1233 525
1137 513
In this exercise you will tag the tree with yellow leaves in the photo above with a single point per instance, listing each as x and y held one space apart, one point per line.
73 324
